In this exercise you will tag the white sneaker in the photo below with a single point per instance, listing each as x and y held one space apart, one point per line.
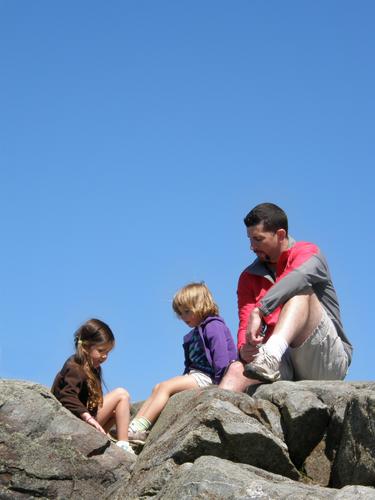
137 437
264 367
124 445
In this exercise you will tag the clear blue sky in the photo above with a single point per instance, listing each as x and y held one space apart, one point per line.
135 136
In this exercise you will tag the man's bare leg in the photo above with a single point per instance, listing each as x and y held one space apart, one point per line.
298 319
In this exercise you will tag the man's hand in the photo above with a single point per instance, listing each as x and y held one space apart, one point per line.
254 328
92 421
247 352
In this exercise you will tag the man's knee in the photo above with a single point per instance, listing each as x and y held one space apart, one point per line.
307 299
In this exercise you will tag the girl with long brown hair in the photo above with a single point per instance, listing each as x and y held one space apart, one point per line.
78 385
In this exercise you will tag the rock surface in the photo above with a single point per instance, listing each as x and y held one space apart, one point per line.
286 440
47 452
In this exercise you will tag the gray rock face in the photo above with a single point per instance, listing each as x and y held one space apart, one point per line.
329 428
215 478
355 459
286 440
45 451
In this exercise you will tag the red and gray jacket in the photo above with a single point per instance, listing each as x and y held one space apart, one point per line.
300 268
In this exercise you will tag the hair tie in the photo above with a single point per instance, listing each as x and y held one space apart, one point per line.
79 342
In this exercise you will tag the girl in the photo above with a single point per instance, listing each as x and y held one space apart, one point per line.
78 386
208 348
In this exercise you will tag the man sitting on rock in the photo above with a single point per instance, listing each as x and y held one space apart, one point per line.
290 326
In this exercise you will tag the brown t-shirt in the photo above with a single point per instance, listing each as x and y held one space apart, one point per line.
70 388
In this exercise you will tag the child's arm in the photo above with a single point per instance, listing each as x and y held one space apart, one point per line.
69 396
92 421
218 343
186 354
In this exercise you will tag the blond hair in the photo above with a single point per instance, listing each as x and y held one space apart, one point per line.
197 298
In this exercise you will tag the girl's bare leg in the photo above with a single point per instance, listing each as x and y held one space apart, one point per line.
154 405
115 408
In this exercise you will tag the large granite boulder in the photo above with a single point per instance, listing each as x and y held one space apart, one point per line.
284 440
328 428
355 458
45 451
219 479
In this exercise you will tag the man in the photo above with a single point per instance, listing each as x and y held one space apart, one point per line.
289 315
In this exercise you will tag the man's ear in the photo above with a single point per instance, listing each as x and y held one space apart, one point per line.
281 234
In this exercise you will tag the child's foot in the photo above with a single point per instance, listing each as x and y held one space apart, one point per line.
124 445
137 437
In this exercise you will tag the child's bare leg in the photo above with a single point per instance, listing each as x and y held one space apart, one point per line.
234 379
146 404
115 408
161 393
143 411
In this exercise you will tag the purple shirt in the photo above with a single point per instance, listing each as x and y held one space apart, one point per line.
217 343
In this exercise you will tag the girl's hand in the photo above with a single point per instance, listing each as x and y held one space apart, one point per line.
91 420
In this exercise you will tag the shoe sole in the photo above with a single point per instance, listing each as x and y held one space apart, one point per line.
250 373
136 441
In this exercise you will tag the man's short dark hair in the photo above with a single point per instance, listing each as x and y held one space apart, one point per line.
272 217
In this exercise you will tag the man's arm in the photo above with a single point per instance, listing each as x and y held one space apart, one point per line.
306 267
246 303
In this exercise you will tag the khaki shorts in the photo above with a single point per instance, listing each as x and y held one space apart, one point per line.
322 356
202 379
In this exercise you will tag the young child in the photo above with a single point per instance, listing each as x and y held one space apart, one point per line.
78 386
208 348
